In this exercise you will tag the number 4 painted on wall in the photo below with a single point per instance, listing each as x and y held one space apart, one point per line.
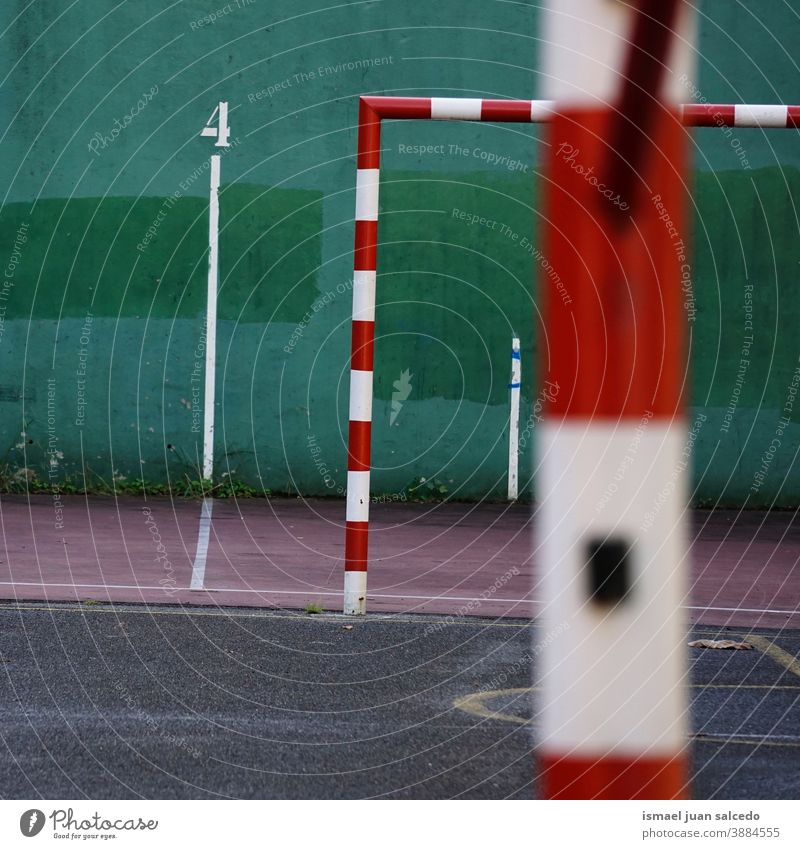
222 131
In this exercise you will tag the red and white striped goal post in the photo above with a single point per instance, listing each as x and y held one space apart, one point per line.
372 111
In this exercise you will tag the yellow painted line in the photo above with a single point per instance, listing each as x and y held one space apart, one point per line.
786 660
474 703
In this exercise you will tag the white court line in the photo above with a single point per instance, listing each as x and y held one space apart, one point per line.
755 736
742 610
371 595
201 555
718 735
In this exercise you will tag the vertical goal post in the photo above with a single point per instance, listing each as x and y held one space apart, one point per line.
373 110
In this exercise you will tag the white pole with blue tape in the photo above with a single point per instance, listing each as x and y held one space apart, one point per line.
513 424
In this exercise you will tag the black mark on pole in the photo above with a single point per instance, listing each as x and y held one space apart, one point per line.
608 569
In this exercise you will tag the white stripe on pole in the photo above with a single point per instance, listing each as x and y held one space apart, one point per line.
623 480
355 592
456 108
513 423
360 396
358 496
749 115
364 295
542 110
211 319
367 191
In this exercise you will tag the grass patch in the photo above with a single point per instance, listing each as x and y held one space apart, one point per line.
426 489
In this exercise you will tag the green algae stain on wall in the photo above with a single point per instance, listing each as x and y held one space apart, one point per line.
88 263
148 257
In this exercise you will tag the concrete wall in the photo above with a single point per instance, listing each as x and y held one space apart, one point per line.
104 243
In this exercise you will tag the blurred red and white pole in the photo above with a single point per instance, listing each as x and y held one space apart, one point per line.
611 521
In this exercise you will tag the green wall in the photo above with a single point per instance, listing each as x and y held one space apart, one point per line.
102 325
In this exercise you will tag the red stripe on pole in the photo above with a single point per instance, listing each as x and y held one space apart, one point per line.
355 545
369 136
366 246
614 300
361 357
511 111
399 107
708 114
793 116
614 777
358 446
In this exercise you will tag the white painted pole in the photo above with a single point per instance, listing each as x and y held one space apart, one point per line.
513 424
211 319
204 530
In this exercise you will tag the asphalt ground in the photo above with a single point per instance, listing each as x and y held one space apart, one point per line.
121 701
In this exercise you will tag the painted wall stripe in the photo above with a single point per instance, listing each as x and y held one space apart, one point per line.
456 109
367 182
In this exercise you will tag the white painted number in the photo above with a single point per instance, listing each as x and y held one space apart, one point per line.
221 132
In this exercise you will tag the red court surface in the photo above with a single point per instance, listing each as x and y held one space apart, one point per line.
445 558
